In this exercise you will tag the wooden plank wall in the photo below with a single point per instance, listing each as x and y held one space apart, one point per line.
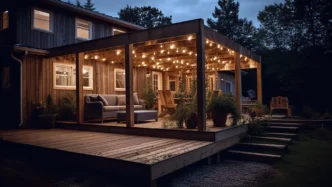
38 80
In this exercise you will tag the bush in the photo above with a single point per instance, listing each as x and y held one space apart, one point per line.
67 109
258 110
149 97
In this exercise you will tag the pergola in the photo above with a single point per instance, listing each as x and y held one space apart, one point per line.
187 47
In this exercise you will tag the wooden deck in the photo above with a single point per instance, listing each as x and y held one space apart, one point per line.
139 156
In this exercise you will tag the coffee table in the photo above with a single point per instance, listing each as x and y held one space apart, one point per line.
139 115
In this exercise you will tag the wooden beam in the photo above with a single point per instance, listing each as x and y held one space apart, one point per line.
168 31
238 84
79 87
259 83
200 45
129 85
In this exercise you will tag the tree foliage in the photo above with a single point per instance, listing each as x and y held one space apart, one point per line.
227 22
78 4
89 5
146 16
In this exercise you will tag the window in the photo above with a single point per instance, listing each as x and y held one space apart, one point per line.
42 20
120 80
157 81
83 29
117 31
5 20
172 83
65 76
228 87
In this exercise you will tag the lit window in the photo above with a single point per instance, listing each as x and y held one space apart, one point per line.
65 76
212 83
117 31
120 80
5 20
172 83
42 20
83 29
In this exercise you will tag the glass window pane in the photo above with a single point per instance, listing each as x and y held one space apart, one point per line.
42 20
63 75
120 79
83 29
172 86
5 20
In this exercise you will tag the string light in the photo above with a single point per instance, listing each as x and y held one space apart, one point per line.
172 46
190 37
104 59
118 52
96 57
86 56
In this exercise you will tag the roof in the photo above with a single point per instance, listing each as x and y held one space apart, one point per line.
94 14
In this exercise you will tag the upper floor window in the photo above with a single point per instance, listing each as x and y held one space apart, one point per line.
5 20
117 31
42 20
83 29
65 76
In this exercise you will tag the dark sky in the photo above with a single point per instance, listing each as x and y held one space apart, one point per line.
183 10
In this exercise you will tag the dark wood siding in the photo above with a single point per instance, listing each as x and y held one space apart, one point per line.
63 29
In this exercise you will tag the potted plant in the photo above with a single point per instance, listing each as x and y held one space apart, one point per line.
149 97
48 115
220 107
257 110
67 108
180 115
37 109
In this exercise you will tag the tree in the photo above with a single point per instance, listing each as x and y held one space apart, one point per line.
78 4
227 22
146 16
89 5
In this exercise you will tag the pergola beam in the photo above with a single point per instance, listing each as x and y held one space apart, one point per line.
259 83
129 85
79 87
238 81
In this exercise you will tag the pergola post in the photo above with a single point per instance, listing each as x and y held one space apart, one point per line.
259 82
238 81
79 87
129 85
200 49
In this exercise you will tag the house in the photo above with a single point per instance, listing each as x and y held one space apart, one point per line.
43 42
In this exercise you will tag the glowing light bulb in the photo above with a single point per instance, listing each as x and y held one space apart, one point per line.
104 59
190 38
96 57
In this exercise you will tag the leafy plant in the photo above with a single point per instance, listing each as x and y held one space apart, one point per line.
149 97
67 109
220 107
50 108
258 110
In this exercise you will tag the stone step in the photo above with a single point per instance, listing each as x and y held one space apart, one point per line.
253 156
280 129
284 140
281 135
264 146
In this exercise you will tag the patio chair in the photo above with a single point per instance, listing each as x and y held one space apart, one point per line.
167 102
280 103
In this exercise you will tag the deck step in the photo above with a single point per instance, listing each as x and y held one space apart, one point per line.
281 135
280 129
285 140
253 156
265 146
286 124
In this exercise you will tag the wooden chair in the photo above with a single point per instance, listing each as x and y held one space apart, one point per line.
168 105
280 103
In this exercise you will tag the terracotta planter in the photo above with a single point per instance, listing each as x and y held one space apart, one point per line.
219 120
47 121
191 122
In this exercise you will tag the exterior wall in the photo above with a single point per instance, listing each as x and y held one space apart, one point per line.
222 78
64 28
38 80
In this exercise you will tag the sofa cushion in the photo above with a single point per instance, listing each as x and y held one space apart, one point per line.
111 99
138 107
103 100
111 108
123 107
121 100
136 101
93 98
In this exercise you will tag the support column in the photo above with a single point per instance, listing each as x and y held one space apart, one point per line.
200 49
238 81
79 87
259 82
129 85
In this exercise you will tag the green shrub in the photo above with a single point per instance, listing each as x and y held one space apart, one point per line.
258 110
67 109
149 97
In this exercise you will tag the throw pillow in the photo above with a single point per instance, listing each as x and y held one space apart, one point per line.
121 100
103 100
136 101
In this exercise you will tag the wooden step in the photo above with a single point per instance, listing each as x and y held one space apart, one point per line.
286 124
281 135
285 140
265 146
253 156
280 129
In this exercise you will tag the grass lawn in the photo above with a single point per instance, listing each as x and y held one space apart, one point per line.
309 162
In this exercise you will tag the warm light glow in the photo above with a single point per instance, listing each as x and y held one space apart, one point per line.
168 59
143 63
176 66
172 46
207 41
104 59
133 51
96 57
177 50
162 51
187 64
86 56
118 52
161 46
190 38
181 61
167 52
183 51
211 44
190 53
112 62
218 46
157 63
143 56
152 58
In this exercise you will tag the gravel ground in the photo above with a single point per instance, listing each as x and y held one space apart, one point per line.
226 174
